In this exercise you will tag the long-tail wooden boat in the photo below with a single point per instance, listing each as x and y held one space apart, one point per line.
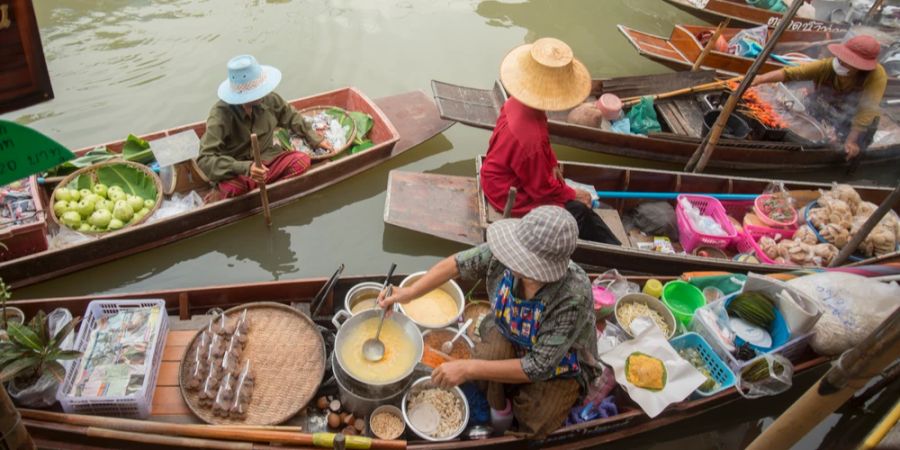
454 208
401 122
682 48
681 120
168 406
742 13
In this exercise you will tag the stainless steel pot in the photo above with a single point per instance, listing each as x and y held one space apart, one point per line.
359 292
345 328
361 399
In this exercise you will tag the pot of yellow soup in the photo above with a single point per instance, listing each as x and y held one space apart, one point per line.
362 297
403 348
439 308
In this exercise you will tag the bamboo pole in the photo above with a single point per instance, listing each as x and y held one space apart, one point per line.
709 45
711 86
263 193
867 227
854 368
701 156
510 202
223 432
13 435
881 430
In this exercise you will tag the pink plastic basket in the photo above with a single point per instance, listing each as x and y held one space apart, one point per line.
709 206
760 212
746 243
758 231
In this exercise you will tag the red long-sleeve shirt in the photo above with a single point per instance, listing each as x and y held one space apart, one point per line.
520 155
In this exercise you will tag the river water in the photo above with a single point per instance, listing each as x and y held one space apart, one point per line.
137 66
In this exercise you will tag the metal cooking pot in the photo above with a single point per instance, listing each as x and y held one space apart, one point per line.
449 287
344 329
360 291
362 400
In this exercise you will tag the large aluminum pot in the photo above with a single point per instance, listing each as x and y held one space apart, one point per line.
359 292
362 400
449 287
344 329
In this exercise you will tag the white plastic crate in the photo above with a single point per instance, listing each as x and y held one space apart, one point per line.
136 405
792 349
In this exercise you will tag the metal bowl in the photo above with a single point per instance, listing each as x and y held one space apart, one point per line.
652 303
452 330
360 291
409 328
390 409
425 383
449 287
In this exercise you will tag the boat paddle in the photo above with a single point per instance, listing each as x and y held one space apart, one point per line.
263 193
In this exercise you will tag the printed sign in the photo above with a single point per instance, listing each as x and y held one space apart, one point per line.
24 152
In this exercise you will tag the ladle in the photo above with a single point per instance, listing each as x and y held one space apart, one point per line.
373 349
447 347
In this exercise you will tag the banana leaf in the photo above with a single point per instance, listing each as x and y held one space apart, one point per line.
131 180
137 150
364 125
94 156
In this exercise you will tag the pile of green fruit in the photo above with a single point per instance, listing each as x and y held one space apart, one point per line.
100 208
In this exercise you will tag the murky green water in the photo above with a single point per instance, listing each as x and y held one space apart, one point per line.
136 66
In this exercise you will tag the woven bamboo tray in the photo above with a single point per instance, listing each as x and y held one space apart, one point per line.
312 111
91 172
287 355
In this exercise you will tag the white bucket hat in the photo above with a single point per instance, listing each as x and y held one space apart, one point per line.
247 81
537 246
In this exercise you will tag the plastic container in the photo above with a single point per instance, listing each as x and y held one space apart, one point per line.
779 332
29 238
746 243
136 405
653 288
759 207
604 302
709 206
717 368
683 299
610 106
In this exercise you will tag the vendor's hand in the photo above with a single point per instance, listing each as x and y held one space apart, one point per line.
258 173
851 149
584 197
451 373
398 295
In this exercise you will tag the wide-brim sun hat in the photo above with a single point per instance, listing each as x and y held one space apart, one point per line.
859 52
537 246
247 81
545 75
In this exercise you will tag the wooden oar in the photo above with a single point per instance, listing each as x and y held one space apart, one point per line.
263 193
709 45
711 86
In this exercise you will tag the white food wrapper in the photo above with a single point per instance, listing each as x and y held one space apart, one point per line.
681 377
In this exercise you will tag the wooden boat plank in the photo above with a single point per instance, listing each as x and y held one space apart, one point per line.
414 112
744 14
652 84
475 107
652 45
443 205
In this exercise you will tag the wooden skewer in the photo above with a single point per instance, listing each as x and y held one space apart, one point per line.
263 193
709 45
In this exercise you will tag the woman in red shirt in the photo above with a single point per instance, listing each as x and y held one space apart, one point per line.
543 76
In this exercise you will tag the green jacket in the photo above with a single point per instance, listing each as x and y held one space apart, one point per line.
225 147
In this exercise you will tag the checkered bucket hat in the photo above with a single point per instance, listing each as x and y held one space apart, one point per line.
537 246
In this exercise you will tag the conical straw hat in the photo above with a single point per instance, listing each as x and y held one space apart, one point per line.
545 75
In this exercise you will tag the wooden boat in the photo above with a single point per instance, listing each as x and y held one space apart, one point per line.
168 406
682 48
454 208
743 14
681 119
400 123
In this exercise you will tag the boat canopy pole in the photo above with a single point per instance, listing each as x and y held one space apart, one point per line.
701 156
13 434
709 45
851 372
672 195
883 208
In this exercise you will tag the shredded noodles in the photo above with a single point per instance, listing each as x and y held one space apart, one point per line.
448 406
630 311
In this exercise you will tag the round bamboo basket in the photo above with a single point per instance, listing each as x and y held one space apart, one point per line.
91 171
312 111
287 357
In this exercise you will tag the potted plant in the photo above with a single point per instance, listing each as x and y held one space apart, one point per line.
30 360
8 314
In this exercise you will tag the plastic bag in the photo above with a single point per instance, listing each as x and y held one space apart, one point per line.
643 117
611 336
595 199
766 375
702 223
178 204
231 358
243 325
654 219
42 393
66 237
852 307
199 365
622 126
616 284
243 391
222 405
780 204
741 44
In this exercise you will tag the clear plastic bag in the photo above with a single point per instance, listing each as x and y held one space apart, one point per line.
231 357
703 223
222 405
66 237
199 365
178 204
611 336
616 284
243 324
243 391
42 393
766 375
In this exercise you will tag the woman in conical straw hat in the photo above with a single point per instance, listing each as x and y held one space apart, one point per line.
538 349
543 76
248 104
